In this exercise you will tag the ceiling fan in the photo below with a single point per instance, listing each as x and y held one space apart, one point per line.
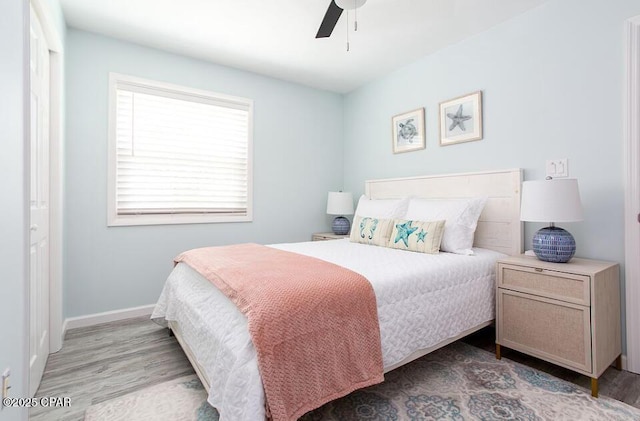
336 7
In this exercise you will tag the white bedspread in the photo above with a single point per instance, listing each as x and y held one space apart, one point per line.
422 300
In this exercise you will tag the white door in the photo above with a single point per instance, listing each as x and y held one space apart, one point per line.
39 203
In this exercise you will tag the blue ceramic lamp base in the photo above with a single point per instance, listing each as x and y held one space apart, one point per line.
341 225
553 244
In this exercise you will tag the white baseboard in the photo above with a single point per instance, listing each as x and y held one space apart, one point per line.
108 316
624 362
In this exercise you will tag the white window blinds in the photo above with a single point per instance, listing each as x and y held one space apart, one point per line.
180 152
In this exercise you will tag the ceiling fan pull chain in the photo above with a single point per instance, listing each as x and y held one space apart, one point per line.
347 30
355 22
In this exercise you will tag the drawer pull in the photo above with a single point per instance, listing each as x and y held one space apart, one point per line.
538 269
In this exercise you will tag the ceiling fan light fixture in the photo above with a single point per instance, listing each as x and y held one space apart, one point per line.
336 7
350 4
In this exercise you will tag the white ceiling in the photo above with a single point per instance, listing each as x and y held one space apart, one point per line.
277 37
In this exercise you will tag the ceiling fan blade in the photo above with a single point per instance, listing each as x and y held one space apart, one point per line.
330 20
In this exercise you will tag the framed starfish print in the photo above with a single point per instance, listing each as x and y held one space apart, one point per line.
408 131
461 119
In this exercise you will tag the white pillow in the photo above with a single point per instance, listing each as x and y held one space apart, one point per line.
461 216
382 208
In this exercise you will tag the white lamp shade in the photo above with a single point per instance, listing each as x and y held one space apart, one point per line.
555 200
340 203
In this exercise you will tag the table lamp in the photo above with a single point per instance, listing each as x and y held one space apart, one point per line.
340 203
552 200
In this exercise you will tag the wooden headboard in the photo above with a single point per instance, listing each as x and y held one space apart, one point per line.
499 227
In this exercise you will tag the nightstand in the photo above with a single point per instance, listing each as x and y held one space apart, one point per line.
564 313
323 236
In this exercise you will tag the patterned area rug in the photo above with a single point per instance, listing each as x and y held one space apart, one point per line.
182 399
458 382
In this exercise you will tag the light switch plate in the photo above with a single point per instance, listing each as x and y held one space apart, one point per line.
557 168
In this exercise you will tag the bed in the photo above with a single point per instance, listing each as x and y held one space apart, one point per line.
424 301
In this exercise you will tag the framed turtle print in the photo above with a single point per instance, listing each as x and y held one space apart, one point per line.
408 131
461 119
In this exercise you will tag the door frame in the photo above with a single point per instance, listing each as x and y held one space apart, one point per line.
55 40
632 191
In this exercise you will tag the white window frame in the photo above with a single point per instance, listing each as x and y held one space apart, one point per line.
113 219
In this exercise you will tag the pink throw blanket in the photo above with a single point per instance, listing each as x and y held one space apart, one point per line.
314 324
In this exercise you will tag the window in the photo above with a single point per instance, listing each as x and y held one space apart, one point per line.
177 155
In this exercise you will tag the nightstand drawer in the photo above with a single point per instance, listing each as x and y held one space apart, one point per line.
563 286
552 330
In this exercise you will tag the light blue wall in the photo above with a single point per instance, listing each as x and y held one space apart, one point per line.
297 160
552 80
13 220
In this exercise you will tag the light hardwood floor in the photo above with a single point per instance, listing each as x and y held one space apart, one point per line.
102 362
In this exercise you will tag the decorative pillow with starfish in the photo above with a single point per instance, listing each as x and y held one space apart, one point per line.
420 236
